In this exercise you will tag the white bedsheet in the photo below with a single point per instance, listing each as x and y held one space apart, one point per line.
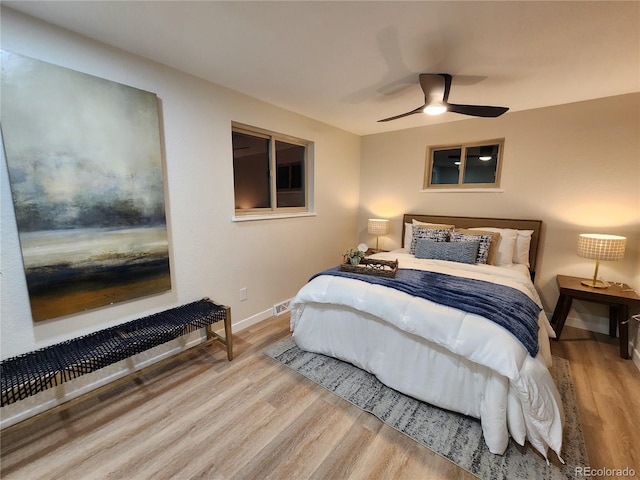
441 355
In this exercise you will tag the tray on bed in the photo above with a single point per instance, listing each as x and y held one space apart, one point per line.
370 266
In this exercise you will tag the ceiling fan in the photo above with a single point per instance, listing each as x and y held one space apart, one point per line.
436 88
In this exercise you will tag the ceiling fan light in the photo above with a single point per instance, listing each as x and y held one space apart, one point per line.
435 109
435 87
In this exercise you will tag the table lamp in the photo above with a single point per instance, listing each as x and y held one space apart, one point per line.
600 247
377 227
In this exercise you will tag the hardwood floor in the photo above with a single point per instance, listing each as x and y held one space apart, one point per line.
204 417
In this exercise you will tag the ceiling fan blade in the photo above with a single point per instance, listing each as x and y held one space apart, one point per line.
447 85
434 86
417 110
477 110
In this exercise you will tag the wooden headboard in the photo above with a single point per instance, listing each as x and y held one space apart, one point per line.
471 222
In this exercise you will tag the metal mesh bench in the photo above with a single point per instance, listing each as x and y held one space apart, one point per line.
34 372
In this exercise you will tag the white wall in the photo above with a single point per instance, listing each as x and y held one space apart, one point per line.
576 167
210 255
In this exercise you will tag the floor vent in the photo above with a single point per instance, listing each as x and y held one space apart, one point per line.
280 308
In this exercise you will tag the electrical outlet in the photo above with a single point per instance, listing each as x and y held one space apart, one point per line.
243 294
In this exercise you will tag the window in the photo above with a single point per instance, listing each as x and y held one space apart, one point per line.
471 165
270 172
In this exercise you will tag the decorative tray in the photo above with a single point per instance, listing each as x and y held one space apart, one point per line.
369 266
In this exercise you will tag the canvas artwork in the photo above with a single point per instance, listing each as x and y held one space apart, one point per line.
86 173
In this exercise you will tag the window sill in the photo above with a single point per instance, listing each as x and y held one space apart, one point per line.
251 218
462 190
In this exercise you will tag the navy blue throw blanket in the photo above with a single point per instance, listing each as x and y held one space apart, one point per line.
506 306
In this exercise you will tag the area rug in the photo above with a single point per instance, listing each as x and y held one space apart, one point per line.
456 437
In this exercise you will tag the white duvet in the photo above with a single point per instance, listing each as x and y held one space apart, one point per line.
444 356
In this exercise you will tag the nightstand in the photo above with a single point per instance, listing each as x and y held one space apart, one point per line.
618 298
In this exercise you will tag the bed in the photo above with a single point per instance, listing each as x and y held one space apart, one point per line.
432 349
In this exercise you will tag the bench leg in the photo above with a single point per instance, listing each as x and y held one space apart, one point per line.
227 333
228 337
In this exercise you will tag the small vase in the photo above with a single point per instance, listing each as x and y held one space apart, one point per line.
354 260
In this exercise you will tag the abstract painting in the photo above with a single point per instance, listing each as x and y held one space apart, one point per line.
86 173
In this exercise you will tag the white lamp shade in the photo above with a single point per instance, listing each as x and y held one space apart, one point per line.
378 226
601 247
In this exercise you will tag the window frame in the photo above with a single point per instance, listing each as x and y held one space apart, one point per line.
273 211
428 172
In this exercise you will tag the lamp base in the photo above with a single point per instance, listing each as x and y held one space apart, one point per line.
592 284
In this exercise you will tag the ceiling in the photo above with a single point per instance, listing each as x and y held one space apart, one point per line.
350 64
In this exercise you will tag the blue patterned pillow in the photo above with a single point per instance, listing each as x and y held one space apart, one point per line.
461 252
429 233
488 242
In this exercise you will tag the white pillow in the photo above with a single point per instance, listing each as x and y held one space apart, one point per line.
506 244
521 252
408 235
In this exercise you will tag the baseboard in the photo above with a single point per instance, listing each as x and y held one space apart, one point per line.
598 325
53 397
247 322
